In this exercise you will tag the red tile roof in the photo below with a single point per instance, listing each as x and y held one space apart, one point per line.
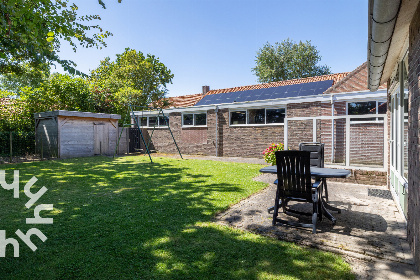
335 77
184 100
191 100
354 81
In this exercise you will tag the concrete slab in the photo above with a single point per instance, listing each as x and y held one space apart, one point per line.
370 232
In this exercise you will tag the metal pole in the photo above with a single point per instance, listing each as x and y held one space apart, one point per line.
42 148
172 135
11 146
216 111
332 131
141 134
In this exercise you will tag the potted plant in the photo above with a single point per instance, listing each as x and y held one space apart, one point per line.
270 153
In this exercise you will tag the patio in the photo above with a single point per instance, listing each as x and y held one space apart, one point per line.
370 231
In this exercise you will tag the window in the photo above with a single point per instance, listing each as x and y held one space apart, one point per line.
194 119
154 121
259 116
143 121
163 121
200 119
238 117
256 116
366 108
275 115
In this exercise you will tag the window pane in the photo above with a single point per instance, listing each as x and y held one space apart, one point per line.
275 115
362 108
143 121
382 107
238 117
188 119
256 116
152 121
200 119
163 121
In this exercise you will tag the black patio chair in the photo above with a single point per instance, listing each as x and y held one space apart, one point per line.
294 184
317 158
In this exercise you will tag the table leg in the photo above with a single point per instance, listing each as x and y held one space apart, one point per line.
326 205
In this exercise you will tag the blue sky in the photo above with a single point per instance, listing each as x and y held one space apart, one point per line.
214 42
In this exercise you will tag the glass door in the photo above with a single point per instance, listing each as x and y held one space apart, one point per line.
399 138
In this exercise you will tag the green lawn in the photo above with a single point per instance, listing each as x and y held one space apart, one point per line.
125 218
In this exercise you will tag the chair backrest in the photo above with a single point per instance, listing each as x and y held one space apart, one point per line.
294 174
317 152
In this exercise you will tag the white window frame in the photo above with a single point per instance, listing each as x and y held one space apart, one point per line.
194 114
377 120
256 124
157 120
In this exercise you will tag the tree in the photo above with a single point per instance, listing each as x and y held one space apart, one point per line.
288 60
28 77
131 79
31 31
58 92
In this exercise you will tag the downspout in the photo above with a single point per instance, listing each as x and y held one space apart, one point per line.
382 19
216 110
332 129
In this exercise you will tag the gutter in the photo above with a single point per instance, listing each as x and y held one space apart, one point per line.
382 18
342 96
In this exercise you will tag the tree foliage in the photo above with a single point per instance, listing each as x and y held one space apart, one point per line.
288 60
28 77
58 92
132 79
32 32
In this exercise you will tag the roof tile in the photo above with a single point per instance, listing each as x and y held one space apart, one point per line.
354 81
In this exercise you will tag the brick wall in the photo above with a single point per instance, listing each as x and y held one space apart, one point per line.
413 214
367 143
190 140
302 130
339 132
246 141
250 141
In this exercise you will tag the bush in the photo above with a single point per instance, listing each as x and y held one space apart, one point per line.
269 153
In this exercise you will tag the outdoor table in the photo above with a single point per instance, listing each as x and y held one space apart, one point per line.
321 174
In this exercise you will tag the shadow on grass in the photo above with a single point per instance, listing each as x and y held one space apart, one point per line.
127 218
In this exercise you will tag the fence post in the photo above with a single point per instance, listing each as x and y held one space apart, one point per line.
42 147
11 147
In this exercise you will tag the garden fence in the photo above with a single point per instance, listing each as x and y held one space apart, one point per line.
17 146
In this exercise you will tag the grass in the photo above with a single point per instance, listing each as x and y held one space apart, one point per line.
125 218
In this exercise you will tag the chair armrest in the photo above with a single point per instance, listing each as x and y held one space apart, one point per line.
276 182
316 184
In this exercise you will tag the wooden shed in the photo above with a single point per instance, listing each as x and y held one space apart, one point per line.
66 134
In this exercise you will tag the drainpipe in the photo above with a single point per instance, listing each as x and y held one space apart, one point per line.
382 19
216 110
332 129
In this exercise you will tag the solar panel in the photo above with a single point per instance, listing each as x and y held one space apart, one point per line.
297 90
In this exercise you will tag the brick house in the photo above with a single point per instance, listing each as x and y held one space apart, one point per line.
394 58
243 121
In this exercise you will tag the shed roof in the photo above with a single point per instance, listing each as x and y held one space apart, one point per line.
50 114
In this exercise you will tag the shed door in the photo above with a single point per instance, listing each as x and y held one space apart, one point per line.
100 132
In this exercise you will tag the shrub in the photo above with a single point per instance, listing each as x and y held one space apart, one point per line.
269 153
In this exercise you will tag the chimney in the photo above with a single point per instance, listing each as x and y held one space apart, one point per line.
206 89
